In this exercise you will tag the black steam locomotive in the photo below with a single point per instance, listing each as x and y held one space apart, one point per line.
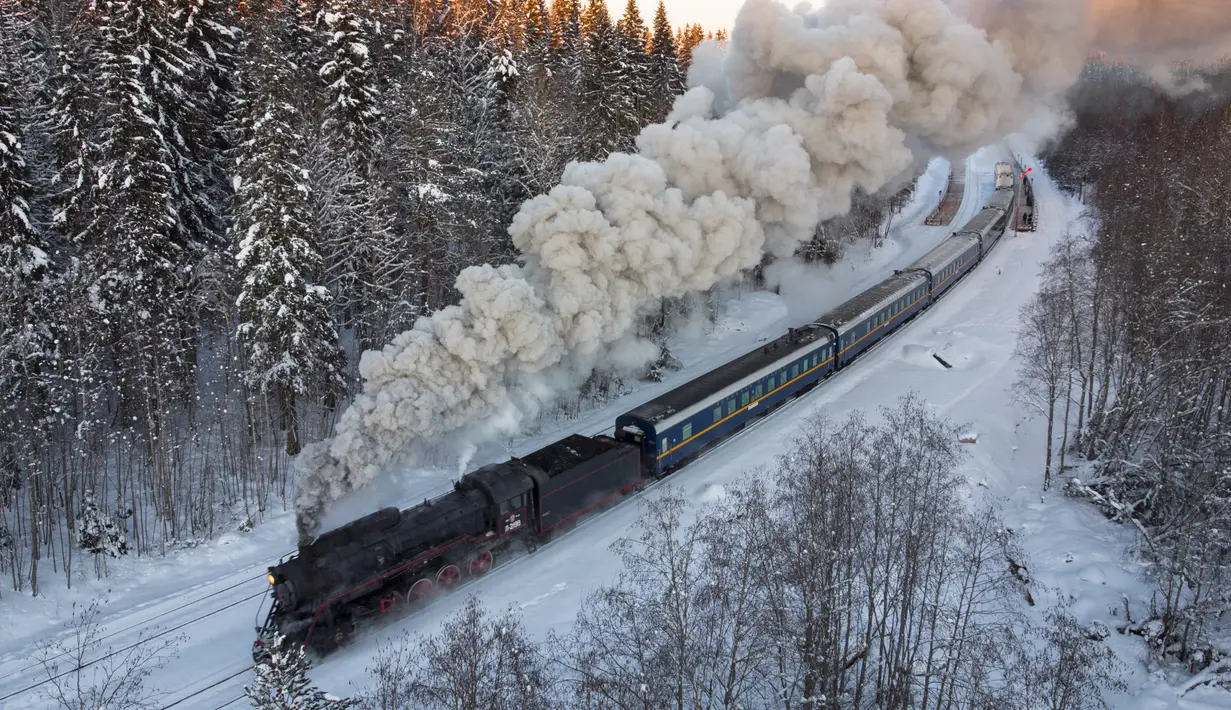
394 558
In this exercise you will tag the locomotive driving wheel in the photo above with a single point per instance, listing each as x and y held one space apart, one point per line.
481 563
421 589
447 577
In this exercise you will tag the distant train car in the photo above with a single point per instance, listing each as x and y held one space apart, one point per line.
989 225
1004 175
1001 199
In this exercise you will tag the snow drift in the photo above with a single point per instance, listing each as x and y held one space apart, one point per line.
803 107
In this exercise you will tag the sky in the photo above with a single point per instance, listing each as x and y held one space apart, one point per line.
712 14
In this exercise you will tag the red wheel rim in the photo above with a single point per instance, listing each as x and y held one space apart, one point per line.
481 563
419 590
447 576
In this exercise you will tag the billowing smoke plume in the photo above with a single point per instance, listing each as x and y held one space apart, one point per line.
804 107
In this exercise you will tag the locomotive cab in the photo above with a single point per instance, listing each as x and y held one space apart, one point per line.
509 490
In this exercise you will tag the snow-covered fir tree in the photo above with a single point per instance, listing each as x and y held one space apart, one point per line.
352 104
71 131
354 207
100 534
603 102
281 682
138 249
636 81
686 39
285 318
23 254
27 342
537 34
210 44
666 78
567 38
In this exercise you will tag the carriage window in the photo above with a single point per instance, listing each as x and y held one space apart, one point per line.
794 371
757 392
662 445
771 382
744 400
688 430
730 406
717 414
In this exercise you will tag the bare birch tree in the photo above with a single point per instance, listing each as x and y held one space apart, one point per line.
1043 352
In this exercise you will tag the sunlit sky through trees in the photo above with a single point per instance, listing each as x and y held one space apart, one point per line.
711 14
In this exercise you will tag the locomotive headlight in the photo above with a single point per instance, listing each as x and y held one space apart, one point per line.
270 577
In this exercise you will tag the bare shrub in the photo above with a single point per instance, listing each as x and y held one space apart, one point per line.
82 674
476 662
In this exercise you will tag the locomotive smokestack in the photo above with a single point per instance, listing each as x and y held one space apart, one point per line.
803 107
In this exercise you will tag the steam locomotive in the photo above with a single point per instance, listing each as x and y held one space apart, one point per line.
394 559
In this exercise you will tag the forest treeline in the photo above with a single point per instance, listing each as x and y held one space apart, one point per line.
1125 348
208 210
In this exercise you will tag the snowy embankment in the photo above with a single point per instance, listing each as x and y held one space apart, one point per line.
213 592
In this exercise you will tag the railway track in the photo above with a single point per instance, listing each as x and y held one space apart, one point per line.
111 653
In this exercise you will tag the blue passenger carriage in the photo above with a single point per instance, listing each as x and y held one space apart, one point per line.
677 426
948 262
989 225
862 321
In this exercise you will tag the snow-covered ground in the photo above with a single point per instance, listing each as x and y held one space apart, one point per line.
214 591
